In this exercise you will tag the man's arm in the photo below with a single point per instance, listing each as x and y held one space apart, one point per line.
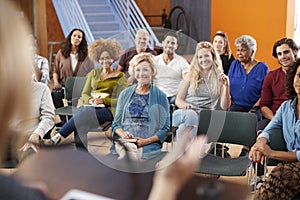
267 112
266 99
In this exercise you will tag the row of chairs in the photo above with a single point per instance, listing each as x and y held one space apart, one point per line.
219 126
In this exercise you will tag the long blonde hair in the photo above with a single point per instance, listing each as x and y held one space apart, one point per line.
15 68
197 76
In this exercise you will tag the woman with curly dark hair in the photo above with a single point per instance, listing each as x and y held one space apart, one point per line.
71 60
283 181
100 93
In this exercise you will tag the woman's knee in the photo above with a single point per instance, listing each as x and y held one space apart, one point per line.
191 118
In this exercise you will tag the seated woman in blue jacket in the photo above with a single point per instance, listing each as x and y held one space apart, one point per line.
142 114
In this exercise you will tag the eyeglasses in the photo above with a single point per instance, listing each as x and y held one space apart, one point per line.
105 59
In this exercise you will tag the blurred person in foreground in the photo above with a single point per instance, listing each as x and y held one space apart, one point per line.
15 98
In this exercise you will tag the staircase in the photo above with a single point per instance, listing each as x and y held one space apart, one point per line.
95 17
100 18
118 19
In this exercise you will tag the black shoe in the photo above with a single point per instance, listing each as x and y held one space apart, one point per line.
219 148
244 152
171 134
59 124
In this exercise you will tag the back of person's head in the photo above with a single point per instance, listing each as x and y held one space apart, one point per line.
34 43
142 57
171 34
290 42
15 68
248 41
112 46
227 50
82 49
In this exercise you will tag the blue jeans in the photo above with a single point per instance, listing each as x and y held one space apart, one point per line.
184 118
85 119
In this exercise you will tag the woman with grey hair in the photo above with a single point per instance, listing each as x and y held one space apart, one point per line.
246 76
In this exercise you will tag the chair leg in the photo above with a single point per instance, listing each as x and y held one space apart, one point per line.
255 179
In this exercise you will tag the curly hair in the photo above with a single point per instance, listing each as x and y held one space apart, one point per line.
228 51
142 57
112 46
247 40
290 42
196 69
82 49
291 73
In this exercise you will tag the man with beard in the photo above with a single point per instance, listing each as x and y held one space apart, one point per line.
171 67
273 91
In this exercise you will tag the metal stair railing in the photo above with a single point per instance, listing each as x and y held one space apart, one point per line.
133 19
70 16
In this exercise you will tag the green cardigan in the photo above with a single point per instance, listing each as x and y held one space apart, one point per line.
112 86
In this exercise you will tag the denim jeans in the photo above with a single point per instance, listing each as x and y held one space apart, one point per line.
184 118
57 97
83 121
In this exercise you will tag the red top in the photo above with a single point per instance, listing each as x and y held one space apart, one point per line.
273 90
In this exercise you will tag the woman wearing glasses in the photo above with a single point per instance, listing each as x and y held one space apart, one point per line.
100 93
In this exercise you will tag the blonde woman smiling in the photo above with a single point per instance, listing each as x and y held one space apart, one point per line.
203 87
142 113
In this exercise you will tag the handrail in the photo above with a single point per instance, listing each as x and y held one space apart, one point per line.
70 16
133 19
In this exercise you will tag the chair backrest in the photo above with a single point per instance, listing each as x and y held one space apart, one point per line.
278 143
228 127
74 87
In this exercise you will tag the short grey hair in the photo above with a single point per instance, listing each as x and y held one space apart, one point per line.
141 31
246 40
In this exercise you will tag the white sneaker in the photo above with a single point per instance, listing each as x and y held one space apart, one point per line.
56 138
256 185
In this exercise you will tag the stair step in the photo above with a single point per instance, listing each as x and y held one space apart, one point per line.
86 2
106 26
105 34
99 16
95 8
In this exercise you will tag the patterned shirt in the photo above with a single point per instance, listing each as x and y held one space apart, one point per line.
136 116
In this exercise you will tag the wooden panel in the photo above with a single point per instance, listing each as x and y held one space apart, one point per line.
41 26
54 29
154 7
